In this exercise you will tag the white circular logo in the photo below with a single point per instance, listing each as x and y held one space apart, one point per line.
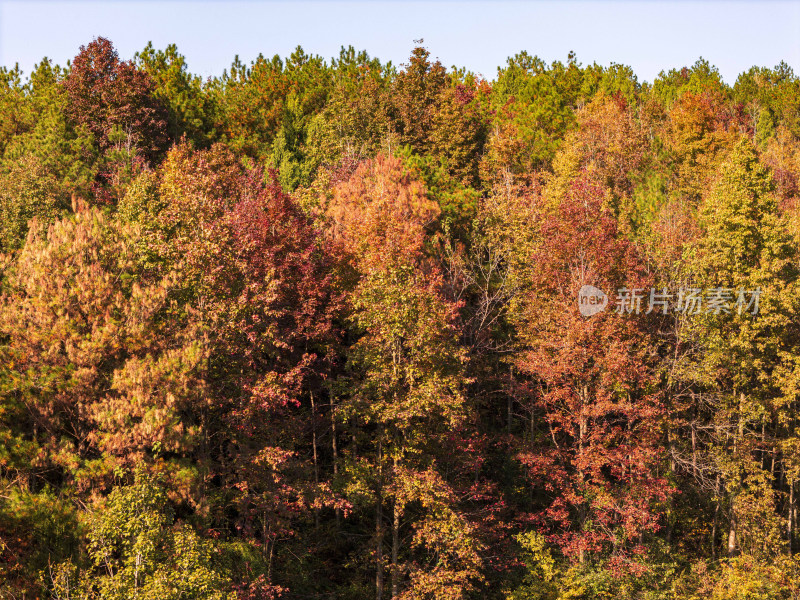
591 300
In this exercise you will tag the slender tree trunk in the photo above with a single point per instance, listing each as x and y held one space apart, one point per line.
672 468
716 521
271 544
510 406
395 551
732 524
335 451
793 510
582 427
269 563
379 525
509 410
790 522
732 532
316 460
737 438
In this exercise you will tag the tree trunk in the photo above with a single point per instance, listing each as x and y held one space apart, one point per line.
379 526
395 551
736 440
694 449
790 522
732 532
510 406
716 521
673 469
582 431
316 461
335 451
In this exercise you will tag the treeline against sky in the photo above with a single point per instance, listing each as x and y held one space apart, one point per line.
311 329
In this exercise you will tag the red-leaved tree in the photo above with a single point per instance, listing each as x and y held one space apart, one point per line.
591 382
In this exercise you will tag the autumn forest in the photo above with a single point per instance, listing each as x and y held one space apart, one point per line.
313 329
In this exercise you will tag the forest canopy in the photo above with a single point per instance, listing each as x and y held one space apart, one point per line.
321 329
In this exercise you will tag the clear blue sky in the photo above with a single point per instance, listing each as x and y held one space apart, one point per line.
647 35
